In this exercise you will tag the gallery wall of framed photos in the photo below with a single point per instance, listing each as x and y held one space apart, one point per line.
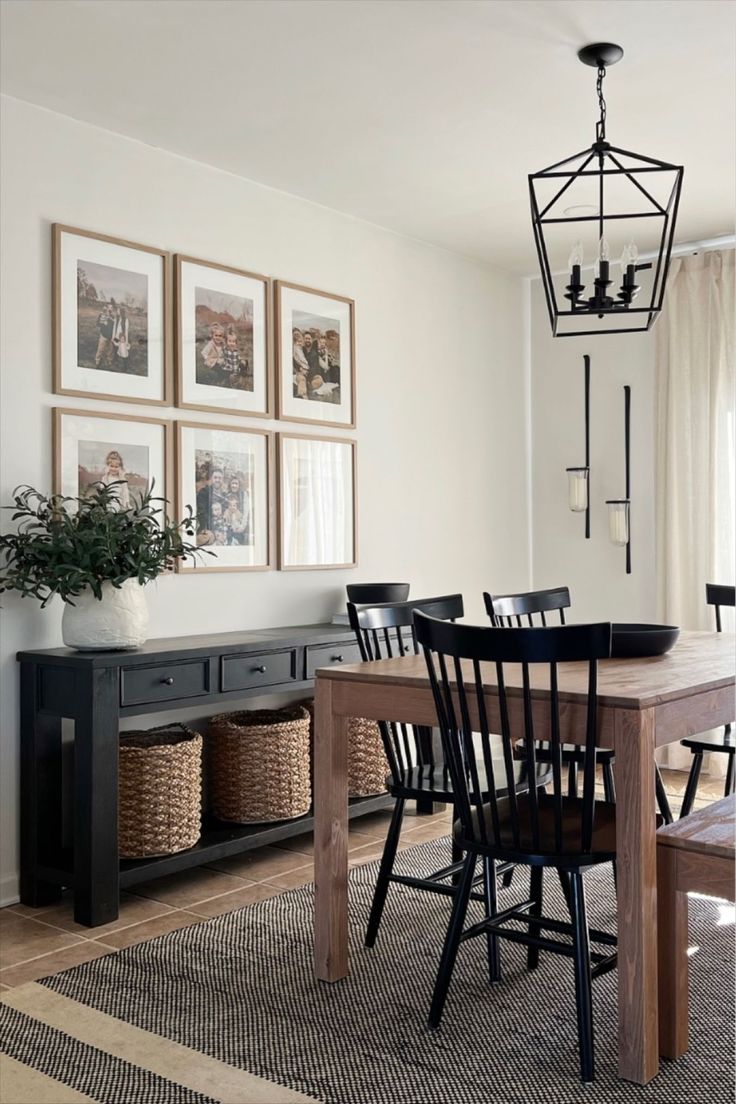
137 324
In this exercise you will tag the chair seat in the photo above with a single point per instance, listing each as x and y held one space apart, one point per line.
436 781
603 848
711 741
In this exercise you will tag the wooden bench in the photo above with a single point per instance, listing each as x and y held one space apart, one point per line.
698 855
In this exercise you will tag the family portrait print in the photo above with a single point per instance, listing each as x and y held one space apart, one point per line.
112 319
127 466
316 356
128 453
224 487
224 328
110 300
224 477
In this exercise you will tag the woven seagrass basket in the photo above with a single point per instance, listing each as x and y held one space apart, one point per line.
367 763
259 765
160 791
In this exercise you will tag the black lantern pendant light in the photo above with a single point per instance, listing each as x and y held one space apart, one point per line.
607 198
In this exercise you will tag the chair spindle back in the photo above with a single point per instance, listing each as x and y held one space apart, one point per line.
718 595
531 824
514 610
386 631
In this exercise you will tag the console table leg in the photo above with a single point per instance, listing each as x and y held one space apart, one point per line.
96 881
40 784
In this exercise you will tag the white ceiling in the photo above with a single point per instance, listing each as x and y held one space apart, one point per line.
420 115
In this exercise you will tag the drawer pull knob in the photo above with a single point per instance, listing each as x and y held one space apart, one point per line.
168 681
337 659
261 669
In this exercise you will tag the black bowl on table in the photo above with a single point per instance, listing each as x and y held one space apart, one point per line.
632 641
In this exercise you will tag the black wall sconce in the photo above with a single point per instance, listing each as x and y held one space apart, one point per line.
619 509
578 479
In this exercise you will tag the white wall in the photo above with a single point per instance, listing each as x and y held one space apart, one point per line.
595 569
441 427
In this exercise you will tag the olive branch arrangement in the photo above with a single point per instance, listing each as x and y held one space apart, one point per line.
64 545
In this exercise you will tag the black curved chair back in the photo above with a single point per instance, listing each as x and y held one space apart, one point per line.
718 595
383 632
531 827
514 609
365 593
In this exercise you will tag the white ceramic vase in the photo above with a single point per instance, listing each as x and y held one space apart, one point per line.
119 620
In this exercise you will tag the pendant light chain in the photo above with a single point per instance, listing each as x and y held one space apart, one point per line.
600 126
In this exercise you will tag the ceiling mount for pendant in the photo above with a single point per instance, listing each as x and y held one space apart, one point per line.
607 191
600 54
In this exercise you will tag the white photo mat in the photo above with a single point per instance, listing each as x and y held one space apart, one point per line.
74 248
191 276
79 435
317 482
240 453
292 299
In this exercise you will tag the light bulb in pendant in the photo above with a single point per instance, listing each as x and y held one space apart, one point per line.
603 251
576 255
629 255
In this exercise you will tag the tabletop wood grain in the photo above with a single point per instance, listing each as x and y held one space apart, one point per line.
699 661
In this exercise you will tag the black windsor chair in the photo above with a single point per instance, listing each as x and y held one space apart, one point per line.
720 743
517 609
383 632
539 829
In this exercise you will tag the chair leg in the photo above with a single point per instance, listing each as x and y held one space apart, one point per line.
452 942
692 785
457 851
729 789
491 901
566 891
384 872
535 893
583 995
572 780
662 800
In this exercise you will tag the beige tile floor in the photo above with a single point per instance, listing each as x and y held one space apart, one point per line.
38 942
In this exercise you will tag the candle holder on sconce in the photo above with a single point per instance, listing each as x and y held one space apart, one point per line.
578 479
619 509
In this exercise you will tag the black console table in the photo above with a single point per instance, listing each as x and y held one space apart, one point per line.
96 689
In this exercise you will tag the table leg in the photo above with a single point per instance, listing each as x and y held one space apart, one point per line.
40 794
96 741
330 836
673 963
638 1043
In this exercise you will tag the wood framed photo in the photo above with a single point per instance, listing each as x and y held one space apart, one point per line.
223 360
111 309
91 448
317 502
224 474
315 344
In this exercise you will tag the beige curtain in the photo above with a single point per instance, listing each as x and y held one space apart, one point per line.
695 481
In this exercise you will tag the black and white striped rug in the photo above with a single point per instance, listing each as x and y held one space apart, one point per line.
239 989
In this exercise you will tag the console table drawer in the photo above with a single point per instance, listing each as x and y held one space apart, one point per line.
248 672
165 682
330 655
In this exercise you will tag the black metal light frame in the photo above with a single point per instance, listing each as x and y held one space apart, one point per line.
607 164
627 469
586 370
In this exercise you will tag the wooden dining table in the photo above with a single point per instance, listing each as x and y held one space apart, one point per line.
643 704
